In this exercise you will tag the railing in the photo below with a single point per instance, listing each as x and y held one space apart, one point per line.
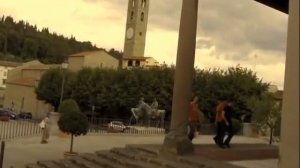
18 128
100 125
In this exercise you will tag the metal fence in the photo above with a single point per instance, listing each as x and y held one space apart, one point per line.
19 128
100 125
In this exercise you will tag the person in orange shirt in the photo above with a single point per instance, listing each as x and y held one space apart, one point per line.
220 122
193 118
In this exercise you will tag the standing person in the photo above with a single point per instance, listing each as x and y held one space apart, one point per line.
228 115
45 125
220 122
193 118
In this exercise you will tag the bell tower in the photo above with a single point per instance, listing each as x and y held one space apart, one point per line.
136 28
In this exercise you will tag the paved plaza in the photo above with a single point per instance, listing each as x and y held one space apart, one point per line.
20 152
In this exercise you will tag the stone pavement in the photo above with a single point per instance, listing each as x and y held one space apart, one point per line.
23 151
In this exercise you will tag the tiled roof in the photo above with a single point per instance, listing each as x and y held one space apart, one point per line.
9 63
41 67
81 54
23 81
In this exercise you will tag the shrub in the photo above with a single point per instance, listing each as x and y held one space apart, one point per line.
72 120
236 125
68 105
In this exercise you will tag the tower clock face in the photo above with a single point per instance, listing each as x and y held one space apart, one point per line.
129 33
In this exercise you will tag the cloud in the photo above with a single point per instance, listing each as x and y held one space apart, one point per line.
228 33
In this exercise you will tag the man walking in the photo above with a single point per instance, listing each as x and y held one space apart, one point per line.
221 123
193 118
228 109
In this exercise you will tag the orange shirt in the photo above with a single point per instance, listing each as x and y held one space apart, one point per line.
193 115
219 110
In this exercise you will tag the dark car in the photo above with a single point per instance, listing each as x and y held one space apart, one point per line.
4 115
25 115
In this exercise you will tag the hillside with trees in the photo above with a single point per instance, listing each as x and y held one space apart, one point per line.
20 41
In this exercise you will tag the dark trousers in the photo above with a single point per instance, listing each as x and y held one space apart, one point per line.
192 128
221 126
230 134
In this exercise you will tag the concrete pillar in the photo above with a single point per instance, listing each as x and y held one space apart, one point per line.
289 138
176 140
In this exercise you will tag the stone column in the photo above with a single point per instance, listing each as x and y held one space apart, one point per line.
176 141
289 138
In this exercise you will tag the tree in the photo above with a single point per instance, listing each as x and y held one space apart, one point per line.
50 85
266 112
72 120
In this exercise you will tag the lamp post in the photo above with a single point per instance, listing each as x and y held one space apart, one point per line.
64 66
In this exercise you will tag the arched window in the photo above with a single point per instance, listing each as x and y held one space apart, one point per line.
143 3
142 16
131 15
133 3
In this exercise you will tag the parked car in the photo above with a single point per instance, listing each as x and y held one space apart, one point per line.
116 126
13 115
25 115
4 115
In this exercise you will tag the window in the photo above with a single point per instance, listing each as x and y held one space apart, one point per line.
142 16
141 33
131 15
143 3
133 3
129 63
137 63
3 81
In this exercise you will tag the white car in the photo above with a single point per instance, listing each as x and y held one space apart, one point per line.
117 126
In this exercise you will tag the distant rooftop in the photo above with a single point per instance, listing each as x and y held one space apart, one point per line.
84 53
10 63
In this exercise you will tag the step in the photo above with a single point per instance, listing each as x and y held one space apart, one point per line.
66 163
134 156
47 164
103 162
81 162
125 162
33 166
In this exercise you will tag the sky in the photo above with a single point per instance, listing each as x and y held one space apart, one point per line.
229 33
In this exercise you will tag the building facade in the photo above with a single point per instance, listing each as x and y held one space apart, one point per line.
5 66
19 94
143 62
92 59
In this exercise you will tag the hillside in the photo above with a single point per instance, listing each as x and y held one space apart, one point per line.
20 41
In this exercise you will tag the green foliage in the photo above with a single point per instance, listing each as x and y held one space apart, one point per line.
68 105
266 112
114 92
50 85
236 125
72 120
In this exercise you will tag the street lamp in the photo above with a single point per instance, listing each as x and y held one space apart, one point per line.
64 66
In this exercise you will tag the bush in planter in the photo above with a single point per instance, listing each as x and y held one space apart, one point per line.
72 120
236 125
